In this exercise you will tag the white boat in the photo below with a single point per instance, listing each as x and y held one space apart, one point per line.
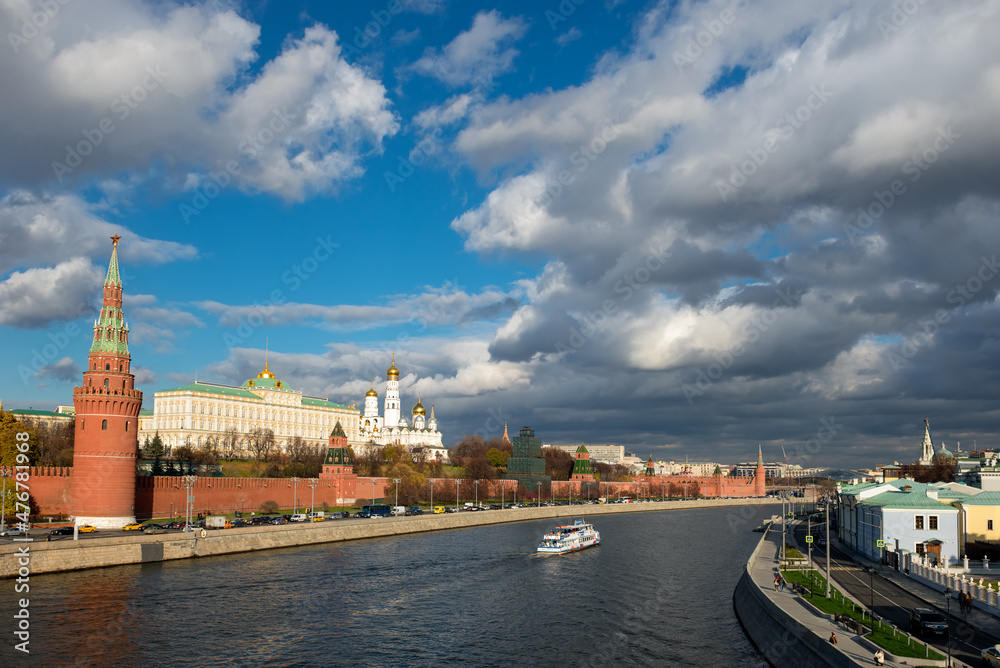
570 538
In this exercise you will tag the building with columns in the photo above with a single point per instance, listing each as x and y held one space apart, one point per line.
391 428
193 414
107 418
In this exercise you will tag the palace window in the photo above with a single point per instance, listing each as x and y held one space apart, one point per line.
107 366
989 525
932 522
918 522
106 383
104 425
126 425
920 548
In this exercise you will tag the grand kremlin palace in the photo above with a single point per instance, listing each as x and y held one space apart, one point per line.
191 414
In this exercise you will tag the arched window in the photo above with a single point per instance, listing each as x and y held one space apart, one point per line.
83 424
106 383
104 425
126 425
121 368
107 366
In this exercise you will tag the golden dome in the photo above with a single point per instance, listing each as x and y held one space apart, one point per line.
371 392
393 372
419 408
266 373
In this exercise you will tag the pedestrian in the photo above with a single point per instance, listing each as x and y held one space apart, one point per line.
833 638
777 581
879 657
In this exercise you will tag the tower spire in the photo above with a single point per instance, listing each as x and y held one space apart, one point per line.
505 437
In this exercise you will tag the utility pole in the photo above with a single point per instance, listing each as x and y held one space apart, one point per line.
828 546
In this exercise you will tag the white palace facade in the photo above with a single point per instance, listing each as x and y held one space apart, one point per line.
391 428
192 414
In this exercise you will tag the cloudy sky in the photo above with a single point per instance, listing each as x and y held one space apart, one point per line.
686 227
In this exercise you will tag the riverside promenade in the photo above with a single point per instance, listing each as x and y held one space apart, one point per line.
113 548
787 630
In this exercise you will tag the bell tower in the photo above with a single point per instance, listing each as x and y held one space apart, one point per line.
107 418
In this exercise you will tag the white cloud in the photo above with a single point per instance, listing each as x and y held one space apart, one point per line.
37 297
480 53
172 88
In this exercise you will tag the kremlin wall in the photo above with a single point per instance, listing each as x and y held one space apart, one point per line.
102 488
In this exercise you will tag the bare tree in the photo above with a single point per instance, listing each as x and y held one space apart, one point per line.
229 443
261 443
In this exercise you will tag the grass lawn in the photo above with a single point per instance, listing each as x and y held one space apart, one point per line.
884 635
792 553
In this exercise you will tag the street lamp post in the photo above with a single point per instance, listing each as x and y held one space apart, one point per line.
3 500
947 595
189 501
827 546
312 498
295 496
458 493
396 480
373 491
242 511
477 493
432 494
539 500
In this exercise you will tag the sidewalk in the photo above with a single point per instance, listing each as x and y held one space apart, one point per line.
978 619
762 571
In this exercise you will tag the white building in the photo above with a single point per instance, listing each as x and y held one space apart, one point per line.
391 428
608 454
192 414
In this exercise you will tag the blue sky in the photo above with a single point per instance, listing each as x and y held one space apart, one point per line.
632 222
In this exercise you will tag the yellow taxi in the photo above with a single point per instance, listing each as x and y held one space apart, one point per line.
135 526
438 510
86 528
318 519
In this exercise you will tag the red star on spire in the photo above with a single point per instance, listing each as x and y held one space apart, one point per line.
114 239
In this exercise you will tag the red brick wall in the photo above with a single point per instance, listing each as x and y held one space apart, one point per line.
49 486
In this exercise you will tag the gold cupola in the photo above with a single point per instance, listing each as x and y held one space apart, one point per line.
372 392
419 409
393 372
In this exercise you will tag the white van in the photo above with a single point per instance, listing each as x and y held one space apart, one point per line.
300 517
399 510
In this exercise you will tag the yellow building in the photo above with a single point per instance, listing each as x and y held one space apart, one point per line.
980 518
192 414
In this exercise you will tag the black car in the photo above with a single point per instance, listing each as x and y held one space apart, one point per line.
413 510
62 531
924 621
279 520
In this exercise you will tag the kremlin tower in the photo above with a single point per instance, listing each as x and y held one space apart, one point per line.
107 418
392 410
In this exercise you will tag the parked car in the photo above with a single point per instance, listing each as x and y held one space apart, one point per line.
134 526
414 510
86 528
438 510
924 621
495 506
298 517
154 529
344 514
62 531
279 520
991 656
13 531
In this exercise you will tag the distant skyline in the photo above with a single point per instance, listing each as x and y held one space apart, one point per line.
687 228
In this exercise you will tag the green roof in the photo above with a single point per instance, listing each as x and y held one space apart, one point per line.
30 412
583 448
321 403
146 412
338 431
268 383
913 499
212 388
984 499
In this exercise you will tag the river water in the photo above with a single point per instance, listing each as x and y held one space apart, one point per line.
658 591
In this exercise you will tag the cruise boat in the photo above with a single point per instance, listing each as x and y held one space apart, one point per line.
570 538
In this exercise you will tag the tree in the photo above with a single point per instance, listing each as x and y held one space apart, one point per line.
261 444
9 450
229 444
471 446
412 485
155 447
558 463
479 468
498 459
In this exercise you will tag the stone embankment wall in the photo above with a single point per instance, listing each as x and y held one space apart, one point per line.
66 554
777 635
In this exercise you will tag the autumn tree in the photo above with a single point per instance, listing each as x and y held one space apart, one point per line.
471 446
479 468
261 443
498 459
412 485
229 443
10 427
558 463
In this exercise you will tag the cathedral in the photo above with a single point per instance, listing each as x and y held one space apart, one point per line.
421 434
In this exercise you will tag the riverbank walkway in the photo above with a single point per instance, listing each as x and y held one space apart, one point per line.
762 570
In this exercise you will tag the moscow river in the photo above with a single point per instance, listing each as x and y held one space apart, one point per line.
658 591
